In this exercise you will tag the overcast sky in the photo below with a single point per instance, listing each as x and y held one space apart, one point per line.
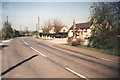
26 13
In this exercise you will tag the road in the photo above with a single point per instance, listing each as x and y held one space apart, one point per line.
29 58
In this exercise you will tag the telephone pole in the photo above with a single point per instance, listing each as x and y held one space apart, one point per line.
38 26
37 30
26 29
20 30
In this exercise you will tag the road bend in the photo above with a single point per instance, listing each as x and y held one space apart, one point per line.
28 58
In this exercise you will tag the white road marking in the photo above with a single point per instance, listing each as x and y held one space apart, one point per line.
76 73
105 59
38 52
22 40
109 60
34 49
65 67
26 43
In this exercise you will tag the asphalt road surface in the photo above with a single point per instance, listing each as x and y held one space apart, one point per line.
29 58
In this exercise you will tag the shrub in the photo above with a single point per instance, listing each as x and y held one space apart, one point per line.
69 39
75 43
79 41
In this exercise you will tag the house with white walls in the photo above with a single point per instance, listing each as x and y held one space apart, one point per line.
82 31
63 29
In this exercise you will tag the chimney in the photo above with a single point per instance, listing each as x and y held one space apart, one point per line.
74 26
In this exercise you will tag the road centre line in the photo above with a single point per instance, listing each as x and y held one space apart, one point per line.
98 58
38 52
65 67
35 49
76 73
26 43
22 40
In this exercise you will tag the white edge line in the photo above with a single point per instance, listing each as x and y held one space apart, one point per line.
38 52
105 59
76 73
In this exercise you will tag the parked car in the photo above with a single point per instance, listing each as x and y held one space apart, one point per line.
57 36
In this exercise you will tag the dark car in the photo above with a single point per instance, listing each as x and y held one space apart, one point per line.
57 36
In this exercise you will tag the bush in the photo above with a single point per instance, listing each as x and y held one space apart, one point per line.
80 41
69 39
75 43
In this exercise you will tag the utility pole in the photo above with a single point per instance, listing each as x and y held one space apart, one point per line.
37 30
38 27
20 30
26 29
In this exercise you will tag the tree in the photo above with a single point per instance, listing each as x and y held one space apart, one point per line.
7 31
105 21
3 34
26 31
46 27
16 33
57 24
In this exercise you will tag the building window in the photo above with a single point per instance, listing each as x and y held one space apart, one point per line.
85 38
85 31
77 34
64 30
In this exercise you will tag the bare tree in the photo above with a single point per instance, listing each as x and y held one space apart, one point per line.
57 24
46 27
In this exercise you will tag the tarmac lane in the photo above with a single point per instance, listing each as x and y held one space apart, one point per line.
28 58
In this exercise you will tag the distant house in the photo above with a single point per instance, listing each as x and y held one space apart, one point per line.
82 31
63 29
52 30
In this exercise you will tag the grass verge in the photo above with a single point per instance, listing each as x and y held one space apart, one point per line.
108 51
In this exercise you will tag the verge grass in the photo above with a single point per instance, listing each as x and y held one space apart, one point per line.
108 51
